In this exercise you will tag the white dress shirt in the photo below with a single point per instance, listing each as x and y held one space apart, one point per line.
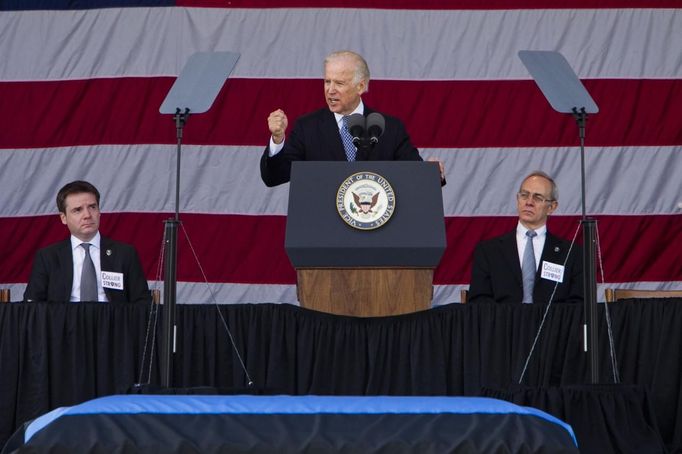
78 254
538 242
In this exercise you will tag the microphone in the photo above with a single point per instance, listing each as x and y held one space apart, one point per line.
356 127
375 127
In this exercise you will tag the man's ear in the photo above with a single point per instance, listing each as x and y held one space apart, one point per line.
362 86
552 208
62 216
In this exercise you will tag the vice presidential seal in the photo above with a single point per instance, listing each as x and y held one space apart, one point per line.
365 201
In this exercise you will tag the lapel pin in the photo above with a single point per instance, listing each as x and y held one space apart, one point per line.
556 249
108 251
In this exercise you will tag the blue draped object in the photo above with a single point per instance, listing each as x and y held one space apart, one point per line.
365 424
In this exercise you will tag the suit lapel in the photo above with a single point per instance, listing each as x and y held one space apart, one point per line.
66 263
105 254
510 255
330 131
106 260
553 251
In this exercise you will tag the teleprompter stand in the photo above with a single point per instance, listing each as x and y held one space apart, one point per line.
566 94
193 92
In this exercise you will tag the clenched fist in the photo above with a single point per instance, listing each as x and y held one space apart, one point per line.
277 123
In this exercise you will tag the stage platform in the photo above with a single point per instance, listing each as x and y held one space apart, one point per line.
308 424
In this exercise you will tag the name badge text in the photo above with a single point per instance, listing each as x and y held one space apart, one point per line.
552 271
112 280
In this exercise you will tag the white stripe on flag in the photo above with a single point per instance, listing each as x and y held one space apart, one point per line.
226 179
291 42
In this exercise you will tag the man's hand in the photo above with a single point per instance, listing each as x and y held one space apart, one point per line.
441 167
277 122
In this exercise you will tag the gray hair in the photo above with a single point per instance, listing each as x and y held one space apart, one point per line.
361 68
539 173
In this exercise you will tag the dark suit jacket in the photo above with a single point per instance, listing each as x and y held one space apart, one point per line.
496 272
52 274
316 137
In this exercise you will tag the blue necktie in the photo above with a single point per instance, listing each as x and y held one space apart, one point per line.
88 277
347 139
528 268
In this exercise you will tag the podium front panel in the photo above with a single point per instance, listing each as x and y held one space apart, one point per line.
318 237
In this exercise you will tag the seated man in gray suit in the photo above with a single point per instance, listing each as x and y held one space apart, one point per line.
87 266
525 265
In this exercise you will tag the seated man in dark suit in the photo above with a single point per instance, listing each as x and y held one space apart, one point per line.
526 264
319 136
87 266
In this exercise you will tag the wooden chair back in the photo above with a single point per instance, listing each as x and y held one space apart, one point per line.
615 294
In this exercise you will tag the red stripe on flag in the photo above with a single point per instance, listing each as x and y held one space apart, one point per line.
447 114
633 248
231 248
250 249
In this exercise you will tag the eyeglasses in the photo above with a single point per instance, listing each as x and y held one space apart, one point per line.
537 198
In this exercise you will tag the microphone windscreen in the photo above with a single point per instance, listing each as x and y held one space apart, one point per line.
356 125
376 123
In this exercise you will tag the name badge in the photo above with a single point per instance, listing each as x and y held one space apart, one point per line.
112 280
552 271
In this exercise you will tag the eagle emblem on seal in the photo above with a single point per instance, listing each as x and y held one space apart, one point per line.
365 200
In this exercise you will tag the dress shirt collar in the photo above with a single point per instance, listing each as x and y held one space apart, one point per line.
95 241
360 109
522 229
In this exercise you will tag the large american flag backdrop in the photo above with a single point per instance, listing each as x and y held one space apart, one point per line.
81 83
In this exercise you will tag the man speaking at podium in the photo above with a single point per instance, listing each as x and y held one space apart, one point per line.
324 135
